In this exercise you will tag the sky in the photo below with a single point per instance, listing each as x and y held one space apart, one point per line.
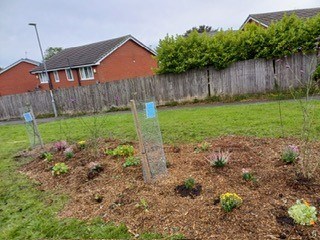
71 23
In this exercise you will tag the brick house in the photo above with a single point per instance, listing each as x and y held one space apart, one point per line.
265 19
110 60
16 78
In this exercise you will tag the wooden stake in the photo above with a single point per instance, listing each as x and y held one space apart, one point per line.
144 160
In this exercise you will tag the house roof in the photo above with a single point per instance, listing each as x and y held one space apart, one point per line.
27 60
265 19
87 55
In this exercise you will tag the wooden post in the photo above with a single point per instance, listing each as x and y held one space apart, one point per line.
144 160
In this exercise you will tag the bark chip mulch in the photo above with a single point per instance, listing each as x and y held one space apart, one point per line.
119 194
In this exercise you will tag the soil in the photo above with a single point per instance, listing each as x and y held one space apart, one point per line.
120 195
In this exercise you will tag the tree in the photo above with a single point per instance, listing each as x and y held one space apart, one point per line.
51 51
200 29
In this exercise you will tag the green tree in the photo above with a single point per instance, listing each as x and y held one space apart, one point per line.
51 51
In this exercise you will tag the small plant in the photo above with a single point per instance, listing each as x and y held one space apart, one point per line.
143 204
98 198
189 183
219 159
202 147
82 145
131 161
59 168
302 213
60 146
229 201
247 175
290 154
48 156
121 151
68 153
94 170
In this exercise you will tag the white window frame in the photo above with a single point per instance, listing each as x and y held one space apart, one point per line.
86 75
71 74
56 76
43 77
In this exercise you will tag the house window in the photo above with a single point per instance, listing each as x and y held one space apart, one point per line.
56 76
43 78
69 74
86 73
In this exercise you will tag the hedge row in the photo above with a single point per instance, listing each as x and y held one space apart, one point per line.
176 54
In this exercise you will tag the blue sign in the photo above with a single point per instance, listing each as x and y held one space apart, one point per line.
27 117
150 110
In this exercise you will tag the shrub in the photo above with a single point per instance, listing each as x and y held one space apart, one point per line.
189 183
247 175
177 54
47 156
59 168
131 161
229 201
68 153
82 145
203 147
290 154
219 159
302 213
121 151
60 146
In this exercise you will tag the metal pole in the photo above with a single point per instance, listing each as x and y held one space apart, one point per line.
46 72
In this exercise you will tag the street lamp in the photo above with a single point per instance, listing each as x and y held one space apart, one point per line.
46 71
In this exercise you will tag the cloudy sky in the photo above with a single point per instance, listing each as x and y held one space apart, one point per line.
70 23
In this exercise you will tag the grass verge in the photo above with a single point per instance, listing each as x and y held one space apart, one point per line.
26 213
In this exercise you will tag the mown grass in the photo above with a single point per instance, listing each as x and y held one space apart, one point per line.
26 213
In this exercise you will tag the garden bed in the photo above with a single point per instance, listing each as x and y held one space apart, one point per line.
120 195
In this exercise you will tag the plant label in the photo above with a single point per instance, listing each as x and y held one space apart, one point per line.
150 110
28 117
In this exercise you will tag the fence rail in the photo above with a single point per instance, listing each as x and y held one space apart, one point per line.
250 76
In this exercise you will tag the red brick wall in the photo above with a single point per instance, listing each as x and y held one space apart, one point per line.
18 79
128 61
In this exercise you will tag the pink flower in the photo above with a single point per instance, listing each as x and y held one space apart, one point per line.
294 148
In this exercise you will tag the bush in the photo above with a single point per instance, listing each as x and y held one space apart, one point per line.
121 151
189 183
131 161
302 213
219 159
59 168
229 201
290 154
177 54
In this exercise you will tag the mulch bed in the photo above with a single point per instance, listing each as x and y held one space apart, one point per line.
116 193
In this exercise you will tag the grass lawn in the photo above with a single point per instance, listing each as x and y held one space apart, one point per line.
26 213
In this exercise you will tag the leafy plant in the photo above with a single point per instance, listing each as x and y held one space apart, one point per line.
121 151
302 213
176 54
47 156
203 147
60 146
131 161
143 204
290 154
229 201
247 175
68 153
219 159
189 183
59 168
82 145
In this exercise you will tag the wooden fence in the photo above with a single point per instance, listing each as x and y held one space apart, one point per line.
250 76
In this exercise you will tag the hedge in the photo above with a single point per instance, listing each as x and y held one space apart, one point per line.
176 54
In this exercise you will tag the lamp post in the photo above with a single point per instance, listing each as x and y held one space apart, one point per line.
46 71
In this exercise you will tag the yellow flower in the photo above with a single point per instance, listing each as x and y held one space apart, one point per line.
306 203
312 222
